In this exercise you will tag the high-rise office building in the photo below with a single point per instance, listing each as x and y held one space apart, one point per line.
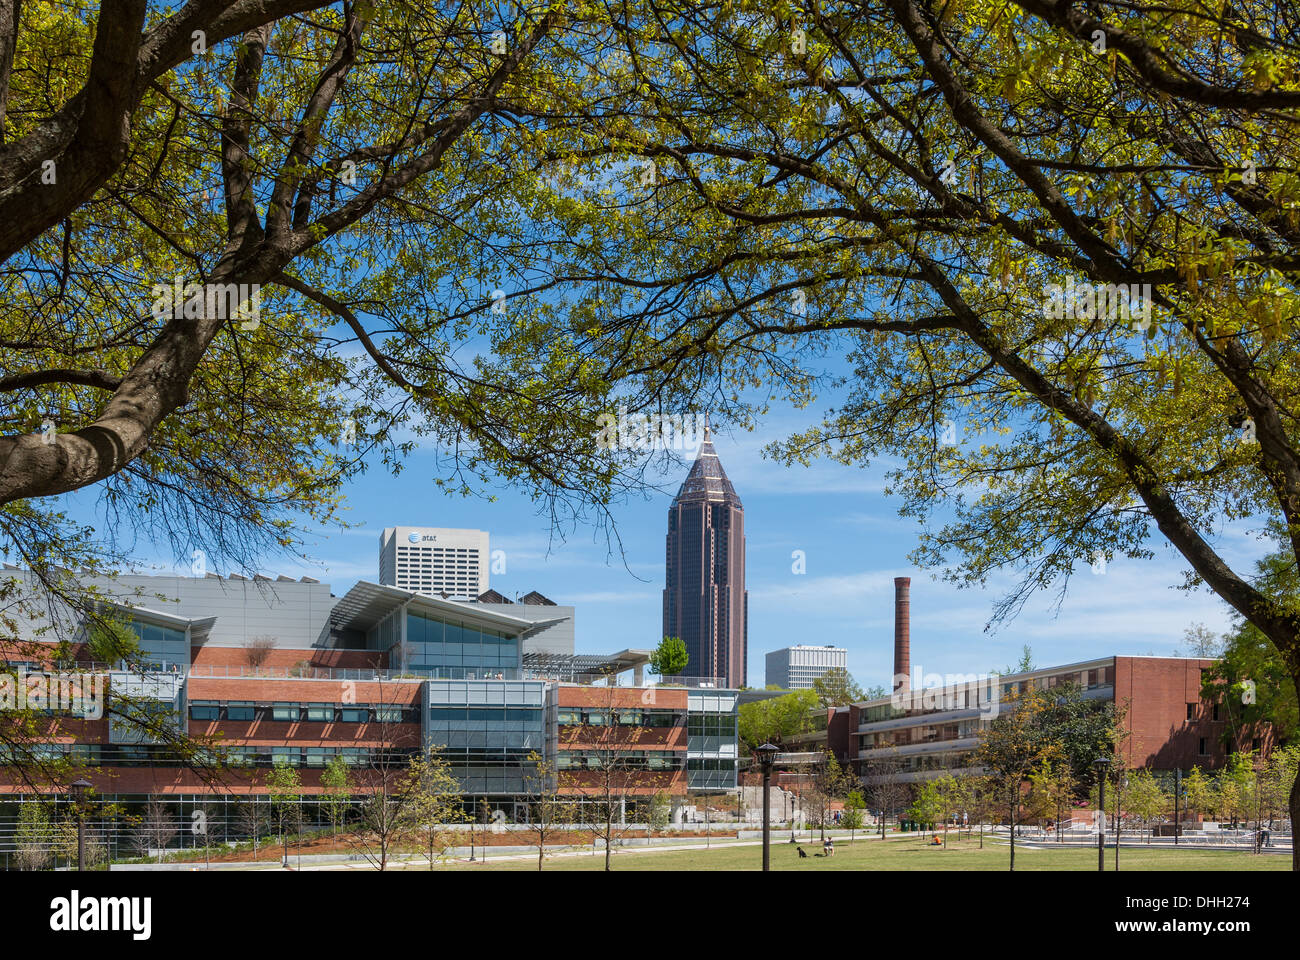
705 602
435 560
795 668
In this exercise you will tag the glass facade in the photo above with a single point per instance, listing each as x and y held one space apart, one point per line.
446 648
487 729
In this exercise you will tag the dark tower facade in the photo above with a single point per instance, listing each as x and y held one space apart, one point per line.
705 601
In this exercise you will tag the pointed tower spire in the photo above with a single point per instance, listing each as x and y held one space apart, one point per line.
707 480
705 602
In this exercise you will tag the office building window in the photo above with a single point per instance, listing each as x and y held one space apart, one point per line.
1191 711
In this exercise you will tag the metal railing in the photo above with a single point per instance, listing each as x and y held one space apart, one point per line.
220 671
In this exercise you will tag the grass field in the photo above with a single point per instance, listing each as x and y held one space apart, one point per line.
902 855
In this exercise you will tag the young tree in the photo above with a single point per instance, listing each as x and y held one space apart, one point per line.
433 801
34 839
156 829
882 778
670 657
284 791
336 778
548 812
1016 745
252 820
1199 793
854 805
1146 799
609 771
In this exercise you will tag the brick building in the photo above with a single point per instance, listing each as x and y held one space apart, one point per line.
259 673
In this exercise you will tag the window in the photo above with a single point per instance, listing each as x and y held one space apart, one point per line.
285 712
321 712
1201 748
355 715
241 711
1216 712
388 714
1191 711
205 711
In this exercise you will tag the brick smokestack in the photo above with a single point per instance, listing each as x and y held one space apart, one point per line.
902 632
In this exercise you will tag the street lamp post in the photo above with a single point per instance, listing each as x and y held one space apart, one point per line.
1102 764
78 790
766 756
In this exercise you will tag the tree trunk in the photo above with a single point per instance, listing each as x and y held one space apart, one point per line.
1295 802
1013 831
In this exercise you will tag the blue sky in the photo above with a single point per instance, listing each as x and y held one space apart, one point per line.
854 543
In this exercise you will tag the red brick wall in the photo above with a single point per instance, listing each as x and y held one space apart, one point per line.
1155 691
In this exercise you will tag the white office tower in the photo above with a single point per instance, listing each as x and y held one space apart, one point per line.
435 560
795 668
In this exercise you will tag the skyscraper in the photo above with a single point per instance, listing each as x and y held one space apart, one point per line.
705 602
435 560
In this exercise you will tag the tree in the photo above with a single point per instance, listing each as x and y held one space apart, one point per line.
777 720
837 688
1052 790
670 657
659 810
215 209
284 791
257 650
1199 794
1146 799
252 820
882 779
1025 664
1054 243
433 800
929 806
548 812
155 830
854 805
336 778
605 770
1203 642
1017 744
35 836
110 641
1251 681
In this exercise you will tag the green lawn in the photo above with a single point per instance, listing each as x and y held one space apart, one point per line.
904 855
